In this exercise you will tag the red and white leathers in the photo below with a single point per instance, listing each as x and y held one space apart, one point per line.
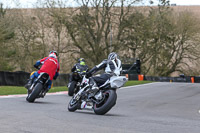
50 66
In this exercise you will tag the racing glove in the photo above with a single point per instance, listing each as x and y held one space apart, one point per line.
88 74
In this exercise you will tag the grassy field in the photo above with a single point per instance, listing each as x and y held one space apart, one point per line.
11 90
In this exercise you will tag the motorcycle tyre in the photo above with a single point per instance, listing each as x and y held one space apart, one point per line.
34 94
73 107
109 103
72 88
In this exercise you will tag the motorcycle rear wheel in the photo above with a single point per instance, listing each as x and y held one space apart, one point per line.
110 97
35 93
72 88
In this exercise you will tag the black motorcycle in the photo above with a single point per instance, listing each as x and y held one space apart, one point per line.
38 88
74 85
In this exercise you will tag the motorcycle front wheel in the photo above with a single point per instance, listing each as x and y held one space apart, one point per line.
109 100
73 105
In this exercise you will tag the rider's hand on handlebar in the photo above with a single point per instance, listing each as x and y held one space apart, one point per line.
37 67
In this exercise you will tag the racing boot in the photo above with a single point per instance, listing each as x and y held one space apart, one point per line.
28 85
93 88
70 80
93 85
86 105
83 104
44 93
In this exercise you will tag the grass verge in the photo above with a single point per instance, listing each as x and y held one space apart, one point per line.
12 90
136 82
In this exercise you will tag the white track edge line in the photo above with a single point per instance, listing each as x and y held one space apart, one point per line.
24 95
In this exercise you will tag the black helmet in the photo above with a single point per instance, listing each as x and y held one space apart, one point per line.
55 52
113 56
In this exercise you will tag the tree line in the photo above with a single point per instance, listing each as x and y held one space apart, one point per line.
164 40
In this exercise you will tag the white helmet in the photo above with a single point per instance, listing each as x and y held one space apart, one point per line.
113 56
53 55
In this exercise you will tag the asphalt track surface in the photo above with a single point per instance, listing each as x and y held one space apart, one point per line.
150 108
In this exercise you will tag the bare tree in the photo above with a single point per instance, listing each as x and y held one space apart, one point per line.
89 27
163 40
6 36
53 32
26 41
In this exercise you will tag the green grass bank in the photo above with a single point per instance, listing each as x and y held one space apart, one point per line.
12 90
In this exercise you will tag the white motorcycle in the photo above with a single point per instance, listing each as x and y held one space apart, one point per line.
99 100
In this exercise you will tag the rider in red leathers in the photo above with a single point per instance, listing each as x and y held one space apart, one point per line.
50 65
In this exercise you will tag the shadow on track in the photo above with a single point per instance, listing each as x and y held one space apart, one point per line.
40 102
92 113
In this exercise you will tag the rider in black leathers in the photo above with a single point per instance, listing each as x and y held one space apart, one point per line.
80 66
112 66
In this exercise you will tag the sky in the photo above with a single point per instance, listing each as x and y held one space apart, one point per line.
30 3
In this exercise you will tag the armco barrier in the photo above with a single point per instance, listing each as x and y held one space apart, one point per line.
20 79
132 76
62 80
196 79
13 78
168 79
187 79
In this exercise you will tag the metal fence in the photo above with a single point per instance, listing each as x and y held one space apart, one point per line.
187 79
20 79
